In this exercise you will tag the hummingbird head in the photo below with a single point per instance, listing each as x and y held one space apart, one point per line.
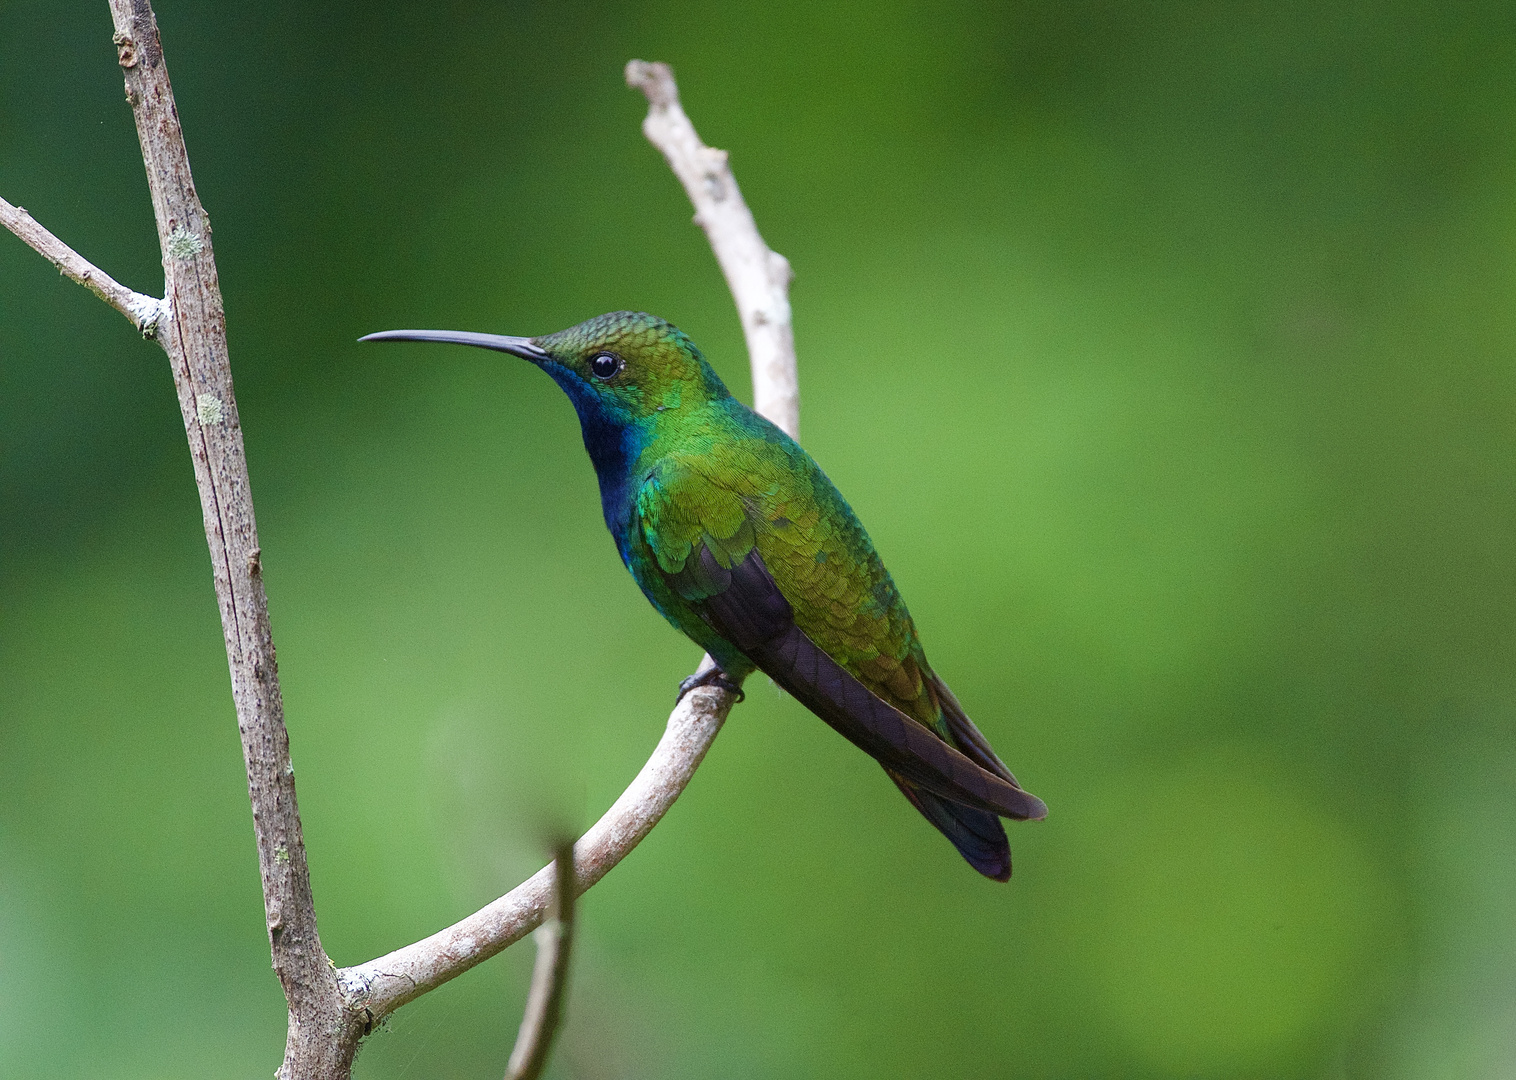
621 369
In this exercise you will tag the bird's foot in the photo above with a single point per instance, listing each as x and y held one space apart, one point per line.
710 677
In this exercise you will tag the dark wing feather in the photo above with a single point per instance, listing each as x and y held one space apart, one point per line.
753 615
977 834
968 737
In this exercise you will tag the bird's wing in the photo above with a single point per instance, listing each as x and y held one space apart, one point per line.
703 538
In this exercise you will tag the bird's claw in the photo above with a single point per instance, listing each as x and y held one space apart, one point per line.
713 677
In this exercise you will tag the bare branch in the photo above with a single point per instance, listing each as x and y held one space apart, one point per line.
322 1035
759 280
190 325
544 1002
381 986
758 277
143 311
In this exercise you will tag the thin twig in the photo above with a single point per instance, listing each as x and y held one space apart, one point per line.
143 311
381 986
758 276
544 1001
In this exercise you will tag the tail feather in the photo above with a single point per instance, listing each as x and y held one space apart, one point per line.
966 735
977 834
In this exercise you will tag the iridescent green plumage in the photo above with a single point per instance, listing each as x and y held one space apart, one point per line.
740 540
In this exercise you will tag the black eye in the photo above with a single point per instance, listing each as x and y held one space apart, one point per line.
604 365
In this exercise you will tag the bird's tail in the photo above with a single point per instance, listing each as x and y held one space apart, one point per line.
977 834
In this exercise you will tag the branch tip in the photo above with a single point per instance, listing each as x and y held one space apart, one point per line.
143 311
655 80
544 1002
757 275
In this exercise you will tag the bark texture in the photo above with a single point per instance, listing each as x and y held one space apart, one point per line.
192 331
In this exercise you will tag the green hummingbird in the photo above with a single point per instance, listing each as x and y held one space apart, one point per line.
739 540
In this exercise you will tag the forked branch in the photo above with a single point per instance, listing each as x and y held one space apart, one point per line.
383 985
143 311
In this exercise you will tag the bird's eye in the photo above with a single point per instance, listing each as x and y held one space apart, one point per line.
604 365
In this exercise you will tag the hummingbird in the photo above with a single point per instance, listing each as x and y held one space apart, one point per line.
740 541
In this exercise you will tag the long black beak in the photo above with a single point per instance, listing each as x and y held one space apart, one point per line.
516 346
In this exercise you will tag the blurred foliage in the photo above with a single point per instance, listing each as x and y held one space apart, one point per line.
1166 349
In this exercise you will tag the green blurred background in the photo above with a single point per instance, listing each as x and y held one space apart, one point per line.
1165 348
